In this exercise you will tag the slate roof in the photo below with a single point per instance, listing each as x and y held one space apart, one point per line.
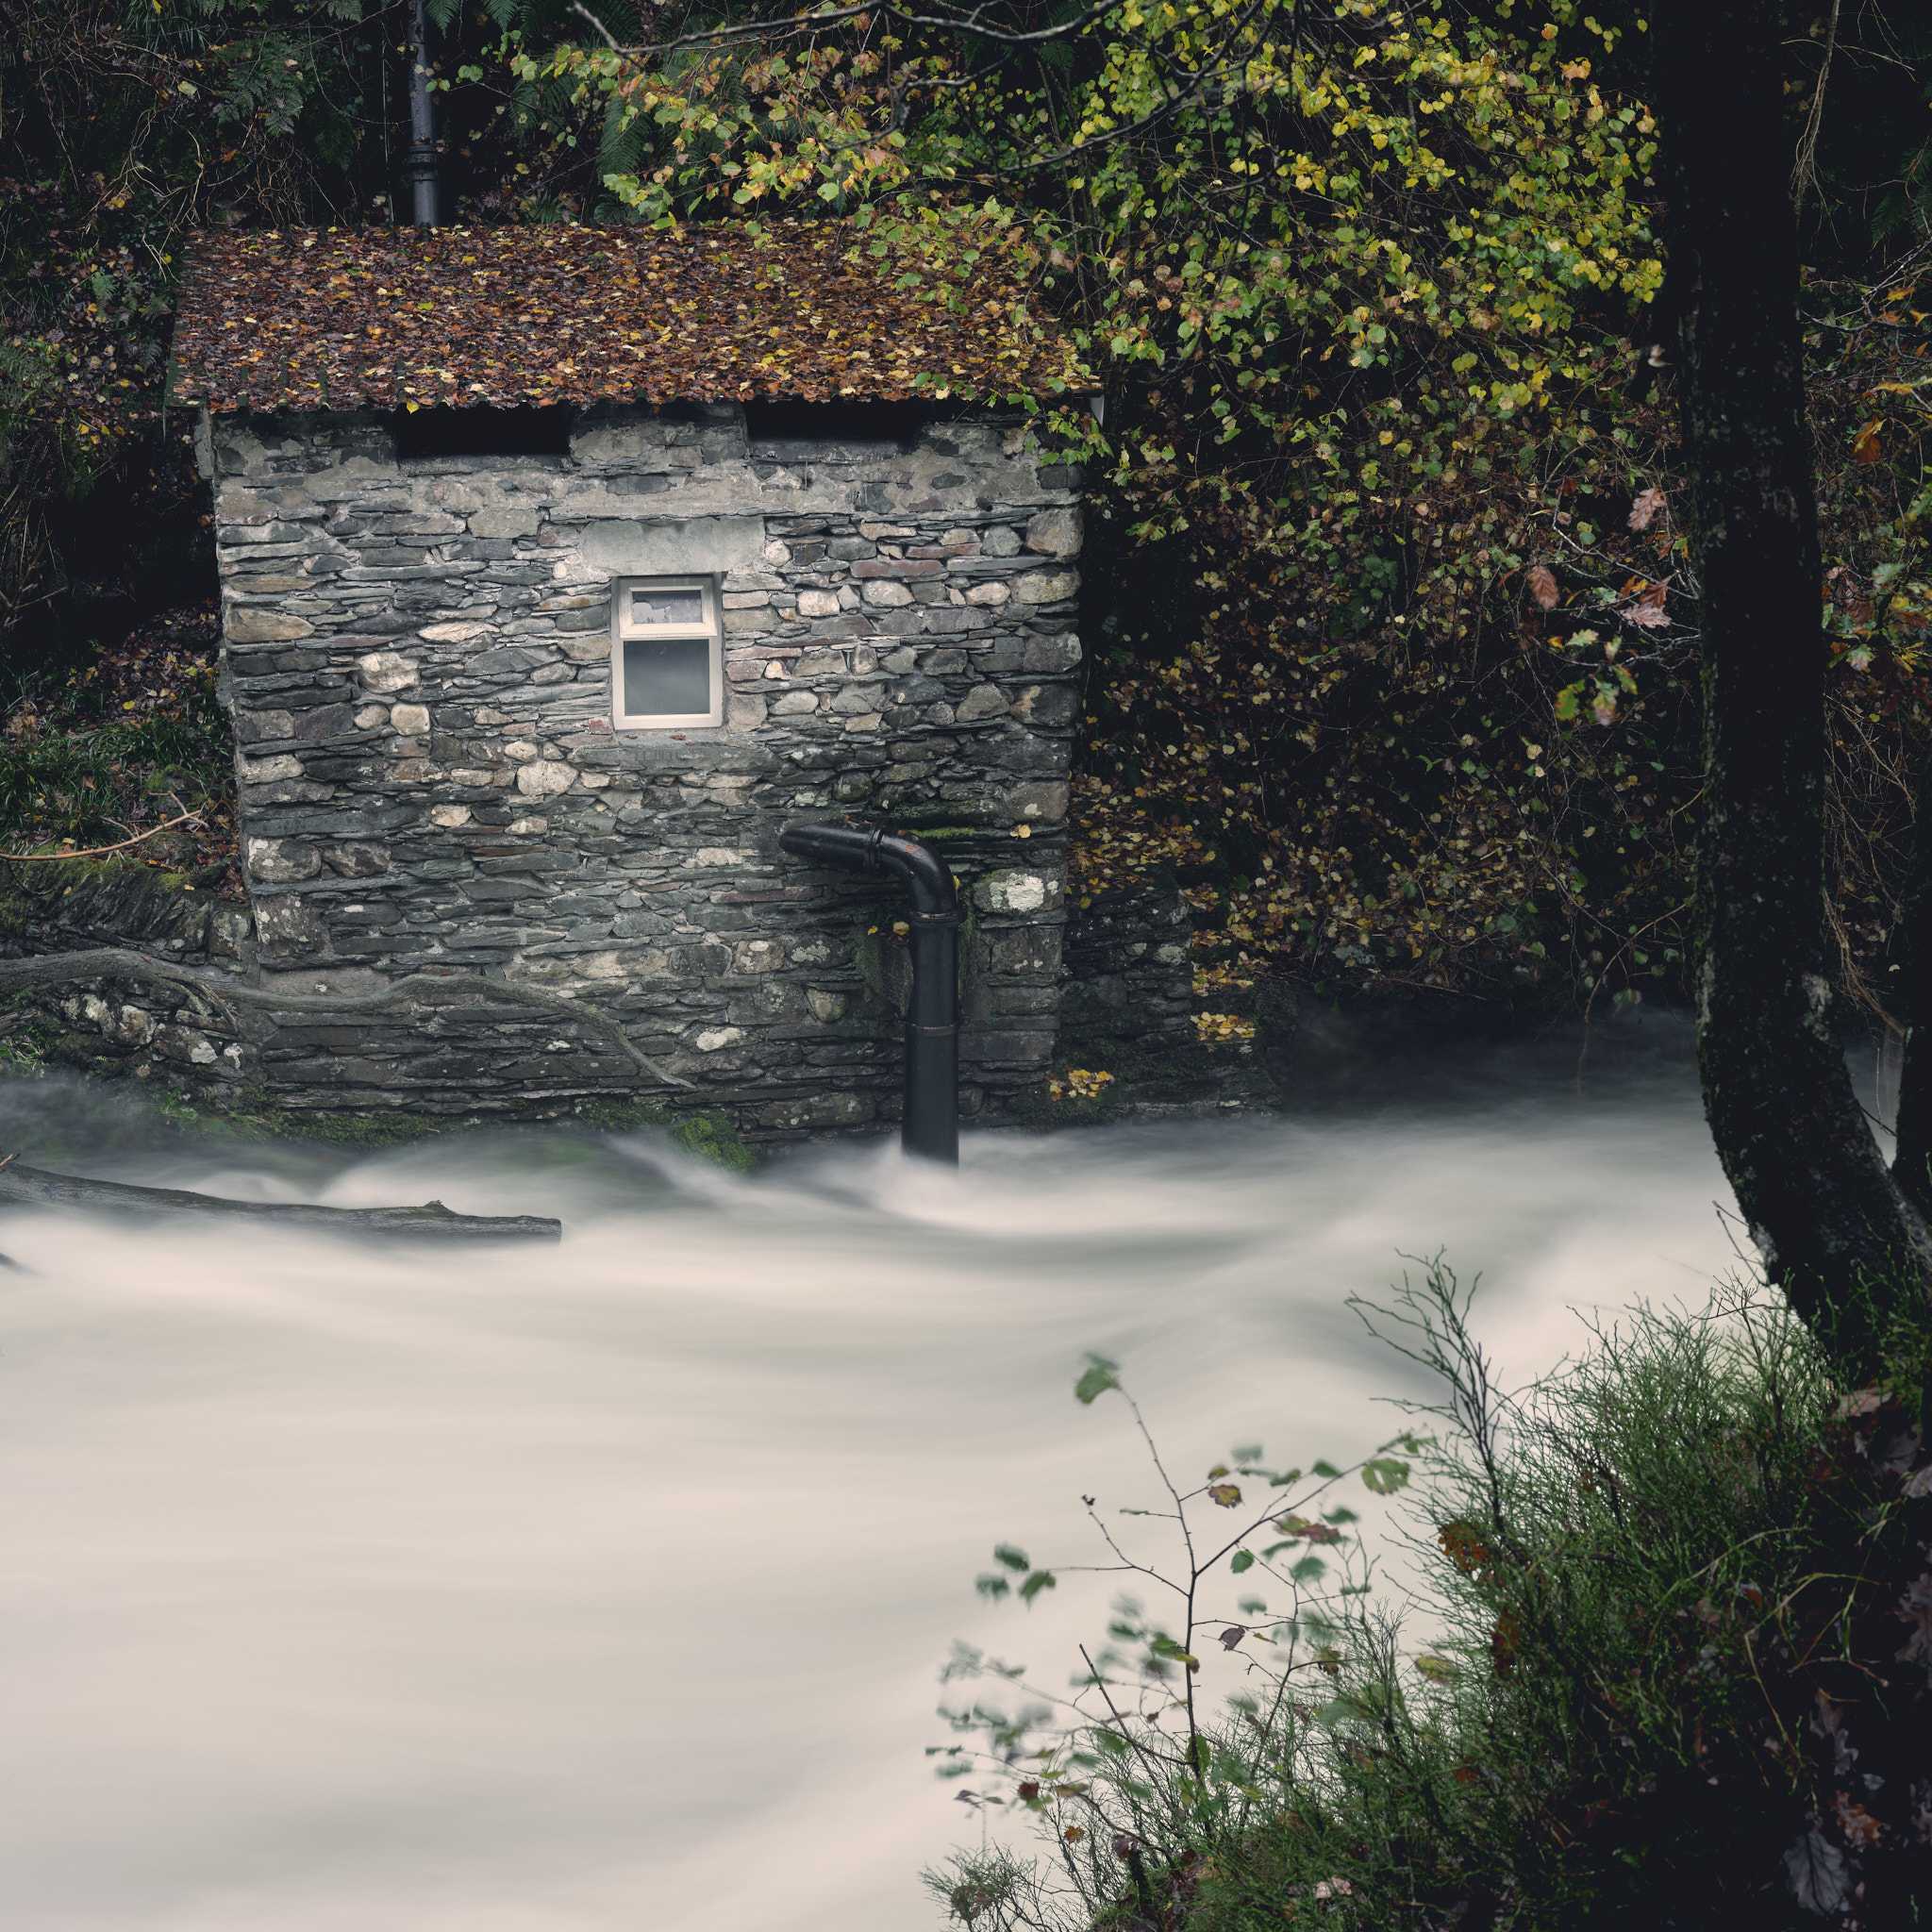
343 319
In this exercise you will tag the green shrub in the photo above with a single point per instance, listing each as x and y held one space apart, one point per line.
1686 1608
117 750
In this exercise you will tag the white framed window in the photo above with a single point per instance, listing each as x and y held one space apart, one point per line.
667 654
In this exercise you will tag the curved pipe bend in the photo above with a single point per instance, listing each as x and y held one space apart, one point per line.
930 1121
927 878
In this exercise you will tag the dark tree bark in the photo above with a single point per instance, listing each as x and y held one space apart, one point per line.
1833 1226
1911 1163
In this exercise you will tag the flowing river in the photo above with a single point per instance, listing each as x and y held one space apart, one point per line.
603 1586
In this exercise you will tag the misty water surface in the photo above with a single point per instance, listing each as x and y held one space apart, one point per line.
604 1585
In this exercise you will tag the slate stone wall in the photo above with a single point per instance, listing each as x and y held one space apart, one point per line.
1129 974
432 793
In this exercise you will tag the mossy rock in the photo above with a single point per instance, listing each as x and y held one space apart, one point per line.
114 901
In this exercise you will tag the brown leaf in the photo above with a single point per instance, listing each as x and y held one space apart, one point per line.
1227 1494
1858 1825
1463 1546
1646 509
1542 585
1647 612
1232 1635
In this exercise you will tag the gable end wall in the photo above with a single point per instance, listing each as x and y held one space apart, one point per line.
418 668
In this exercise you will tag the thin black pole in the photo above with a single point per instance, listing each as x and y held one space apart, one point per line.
420 163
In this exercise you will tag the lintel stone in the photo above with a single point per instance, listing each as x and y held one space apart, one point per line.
703 546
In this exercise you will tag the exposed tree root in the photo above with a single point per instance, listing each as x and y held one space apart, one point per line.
98 963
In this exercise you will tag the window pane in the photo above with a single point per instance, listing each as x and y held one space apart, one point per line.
682 605
667 676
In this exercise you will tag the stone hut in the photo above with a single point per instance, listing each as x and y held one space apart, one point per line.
560 568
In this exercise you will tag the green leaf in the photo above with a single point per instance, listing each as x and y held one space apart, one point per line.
1012 1558
1243 1559
1340 1710
1040 1580
991 1584
1386 1475
1100 1376
1324 1468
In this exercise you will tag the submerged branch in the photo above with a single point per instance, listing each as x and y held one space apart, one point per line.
34 1187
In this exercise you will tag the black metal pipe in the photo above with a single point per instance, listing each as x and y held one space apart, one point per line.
930 1123
419 165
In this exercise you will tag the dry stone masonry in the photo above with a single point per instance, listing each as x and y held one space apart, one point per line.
433 795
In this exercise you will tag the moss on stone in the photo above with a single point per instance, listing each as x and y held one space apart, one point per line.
110 901
250 1115
707 1134
711 1137
247 1114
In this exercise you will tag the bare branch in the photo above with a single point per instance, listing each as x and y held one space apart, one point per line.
101 850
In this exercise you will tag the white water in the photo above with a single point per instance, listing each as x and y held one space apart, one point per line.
599 1587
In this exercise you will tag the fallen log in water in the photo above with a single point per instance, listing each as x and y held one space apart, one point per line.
34 1187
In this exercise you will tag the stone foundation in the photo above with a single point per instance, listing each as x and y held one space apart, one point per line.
142 1025
1130 982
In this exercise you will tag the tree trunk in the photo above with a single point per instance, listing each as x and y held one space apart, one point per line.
1837 1235
1906 999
